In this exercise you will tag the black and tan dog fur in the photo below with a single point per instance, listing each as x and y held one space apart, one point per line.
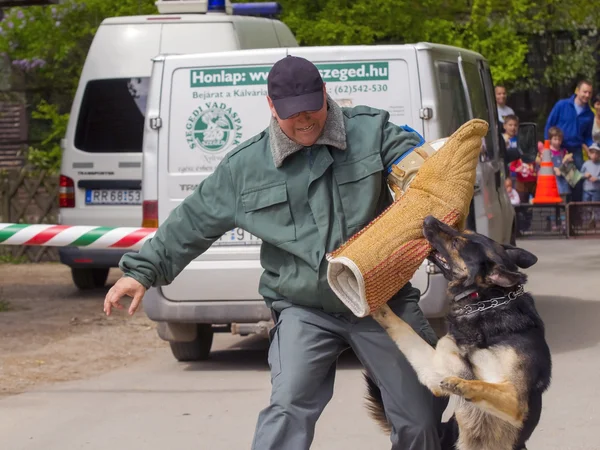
496 360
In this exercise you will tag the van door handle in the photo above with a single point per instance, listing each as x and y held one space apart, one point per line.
155 123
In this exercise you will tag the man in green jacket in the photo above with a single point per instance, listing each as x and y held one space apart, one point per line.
304 186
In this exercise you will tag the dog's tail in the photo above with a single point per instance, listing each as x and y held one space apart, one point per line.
375 404
448 431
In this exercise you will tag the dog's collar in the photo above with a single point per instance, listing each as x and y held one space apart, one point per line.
485 304
471 293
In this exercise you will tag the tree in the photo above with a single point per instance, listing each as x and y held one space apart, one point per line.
534 46
541 46
500 30
46 47
48 44
486 26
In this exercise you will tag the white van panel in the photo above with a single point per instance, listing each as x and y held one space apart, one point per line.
380 77
102 149
204 91
221 114
214 105
104 216
184 38
284 35
122 51
257 33
125 51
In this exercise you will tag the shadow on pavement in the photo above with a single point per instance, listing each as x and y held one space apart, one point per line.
251 354
571 323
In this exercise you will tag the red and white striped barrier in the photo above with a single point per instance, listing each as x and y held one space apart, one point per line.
74 236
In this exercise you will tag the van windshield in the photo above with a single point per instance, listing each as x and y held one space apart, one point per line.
111 119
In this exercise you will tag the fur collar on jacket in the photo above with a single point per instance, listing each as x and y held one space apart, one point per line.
334 134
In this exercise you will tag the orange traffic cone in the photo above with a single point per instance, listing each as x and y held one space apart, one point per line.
546 190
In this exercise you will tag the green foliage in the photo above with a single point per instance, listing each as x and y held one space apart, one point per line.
4 306
578 60
492 29
500 30
8 258
47 155
46 47
486 26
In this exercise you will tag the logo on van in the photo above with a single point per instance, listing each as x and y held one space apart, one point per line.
213 127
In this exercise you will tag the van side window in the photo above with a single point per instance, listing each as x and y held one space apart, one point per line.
479 103
111 119
452 97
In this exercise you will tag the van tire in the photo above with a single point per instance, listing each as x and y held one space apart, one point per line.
88 278
196 350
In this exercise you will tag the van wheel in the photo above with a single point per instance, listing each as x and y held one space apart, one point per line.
86 278
196 350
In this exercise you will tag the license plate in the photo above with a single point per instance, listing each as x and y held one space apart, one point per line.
238 236
113 197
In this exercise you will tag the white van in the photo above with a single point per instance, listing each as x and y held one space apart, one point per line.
201 106
101 171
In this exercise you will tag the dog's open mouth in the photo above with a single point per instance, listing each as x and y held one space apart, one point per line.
437 258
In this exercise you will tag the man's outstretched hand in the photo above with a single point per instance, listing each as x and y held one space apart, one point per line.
125 286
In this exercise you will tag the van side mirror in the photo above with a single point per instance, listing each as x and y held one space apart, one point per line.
527 140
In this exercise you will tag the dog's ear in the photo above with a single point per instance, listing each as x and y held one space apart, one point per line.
501 276
520 257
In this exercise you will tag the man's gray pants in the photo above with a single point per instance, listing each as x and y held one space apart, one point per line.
305 345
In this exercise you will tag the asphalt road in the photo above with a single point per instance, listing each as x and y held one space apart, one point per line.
213 405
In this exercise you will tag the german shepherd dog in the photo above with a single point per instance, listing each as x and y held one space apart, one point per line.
494 358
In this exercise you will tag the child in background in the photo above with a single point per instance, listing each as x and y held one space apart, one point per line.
591 173
526 174
555 135
512 194
511 129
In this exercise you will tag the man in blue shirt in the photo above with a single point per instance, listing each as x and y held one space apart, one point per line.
576 120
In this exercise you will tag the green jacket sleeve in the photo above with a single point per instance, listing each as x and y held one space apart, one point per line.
396 141
191 228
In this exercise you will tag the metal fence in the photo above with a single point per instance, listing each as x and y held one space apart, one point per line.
583 219
560 221
28 196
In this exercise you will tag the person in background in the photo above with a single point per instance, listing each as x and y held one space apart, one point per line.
503 109
558 154
526 174
512 194
596 126
591 174
575 118
511 129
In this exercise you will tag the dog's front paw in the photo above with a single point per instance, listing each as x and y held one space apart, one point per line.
453 385
439 392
